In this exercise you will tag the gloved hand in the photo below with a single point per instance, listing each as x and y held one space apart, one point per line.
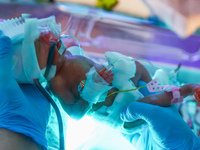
10 91
166 128
18 104
6 50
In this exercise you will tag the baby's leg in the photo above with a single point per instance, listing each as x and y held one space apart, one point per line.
141 74
142 77
164 98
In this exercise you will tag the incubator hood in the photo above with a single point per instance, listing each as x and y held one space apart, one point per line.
181 16
100 31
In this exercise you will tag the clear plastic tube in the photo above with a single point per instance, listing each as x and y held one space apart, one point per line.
66 36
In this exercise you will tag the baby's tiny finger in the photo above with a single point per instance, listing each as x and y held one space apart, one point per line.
110 75
110 80
106 74
101 72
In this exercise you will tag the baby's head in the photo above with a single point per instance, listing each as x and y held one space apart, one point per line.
49 54
31 38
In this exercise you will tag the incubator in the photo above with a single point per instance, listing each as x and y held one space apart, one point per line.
99 31
133 36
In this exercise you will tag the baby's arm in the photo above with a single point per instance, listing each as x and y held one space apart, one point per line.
75 106
164 98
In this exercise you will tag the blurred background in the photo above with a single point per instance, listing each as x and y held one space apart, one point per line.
155 29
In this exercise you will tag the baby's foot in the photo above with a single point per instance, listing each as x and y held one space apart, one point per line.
188 89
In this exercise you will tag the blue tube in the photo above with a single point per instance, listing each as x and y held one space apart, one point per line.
60 122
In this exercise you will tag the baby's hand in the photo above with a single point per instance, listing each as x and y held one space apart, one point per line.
107 76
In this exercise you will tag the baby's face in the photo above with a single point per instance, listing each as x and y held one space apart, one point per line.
42 46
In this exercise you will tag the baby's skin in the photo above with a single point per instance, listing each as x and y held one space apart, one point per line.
161 99
42 47
71 70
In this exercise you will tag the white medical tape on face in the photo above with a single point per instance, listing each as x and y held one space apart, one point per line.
62 48
52 73
29 58
49 24
23 32
43 71
25 64
94 87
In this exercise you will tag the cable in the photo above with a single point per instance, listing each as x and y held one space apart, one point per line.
60 122
127 90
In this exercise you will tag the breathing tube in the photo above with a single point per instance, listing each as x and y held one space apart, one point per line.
49 98
18 29
60 122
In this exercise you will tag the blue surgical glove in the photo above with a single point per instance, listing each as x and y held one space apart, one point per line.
8 84
6 51
23 108
164 129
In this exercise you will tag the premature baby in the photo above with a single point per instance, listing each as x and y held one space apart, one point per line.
80 84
